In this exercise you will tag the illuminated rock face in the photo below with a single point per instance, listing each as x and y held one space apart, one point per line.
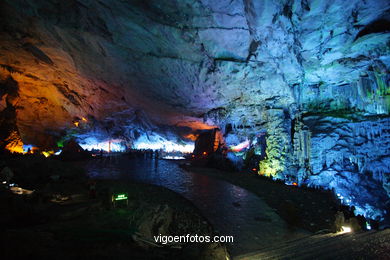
248 66
353 159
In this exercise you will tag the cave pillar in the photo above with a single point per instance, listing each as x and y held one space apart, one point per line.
9 134
208 142
278 144
301 145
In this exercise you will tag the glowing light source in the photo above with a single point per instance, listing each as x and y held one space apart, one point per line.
28 147
15 144
240 147
165 146
122 196
113 145
268 168
14 149
60 143
346 229
156 142
204 153
76 123
84 119
47 153
169 157
191 137
21 191
368 226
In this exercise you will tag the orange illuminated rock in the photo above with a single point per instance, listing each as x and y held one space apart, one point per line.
14 143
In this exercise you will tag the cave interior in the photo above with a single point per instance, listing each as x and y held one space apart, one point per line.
297 91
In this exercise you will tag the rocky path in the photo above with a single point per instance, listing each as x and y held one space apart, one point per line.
308 209
365 245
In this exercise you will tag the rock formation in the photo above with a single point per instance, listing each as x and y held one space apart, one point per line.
311 74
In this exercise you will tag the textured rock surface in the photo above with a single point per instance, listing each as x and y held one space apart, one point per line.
352 158
243 65
96 57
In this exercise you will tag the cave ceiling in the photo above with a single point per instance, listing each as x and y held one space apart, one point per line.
161 64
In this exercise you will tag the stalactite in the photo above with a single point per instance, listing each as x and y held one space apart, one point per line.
301 149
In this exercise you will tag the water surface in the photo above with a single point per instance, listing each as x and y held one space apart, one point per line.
232 210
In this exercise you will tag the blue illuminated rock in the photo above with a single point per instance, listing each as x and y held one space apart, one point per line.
136 67
353 159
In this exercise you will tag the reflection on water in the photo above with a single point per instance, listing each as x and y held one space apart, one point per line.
229 208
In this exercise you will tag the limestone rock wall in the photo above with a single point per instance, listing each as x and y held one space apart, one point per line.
189 57
246 66
353 159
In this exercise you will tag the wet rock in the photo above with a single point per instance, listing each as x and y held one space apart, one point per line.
156 222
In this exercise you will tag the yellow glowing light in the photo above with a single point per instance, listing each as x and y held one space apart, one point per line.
240 147
269 168
14 148
346 229
15 144
47 153
84 119
76 124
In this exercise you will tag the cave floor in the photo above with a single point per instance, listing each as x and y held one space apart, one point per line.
314 211
266 218
363 245
84 227
232 210
305 208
